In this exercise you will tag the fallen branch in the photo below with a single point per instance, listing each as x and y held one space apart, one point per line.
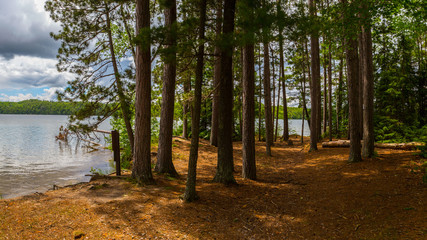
346 144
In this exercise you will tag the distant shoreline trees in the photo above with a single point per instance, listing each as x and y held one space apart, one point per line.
40 107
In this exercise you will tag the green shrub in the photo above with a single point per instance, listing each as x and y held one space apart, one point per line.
389 130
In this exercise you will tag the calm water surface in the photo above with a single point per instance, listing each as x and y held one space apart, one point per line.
31 160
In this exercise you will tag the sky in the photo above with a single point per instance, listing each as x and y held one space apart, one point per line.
28 53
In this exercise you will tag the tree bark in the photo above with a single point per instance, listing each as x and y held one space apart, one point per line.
305 53
278 110
362 52
285 102
351 43
248 134
267 100
224 173
190 188
315 84
186 108
142 164
339 95
273 101
368 95
325 94
330 92
260 94
164 162
217 77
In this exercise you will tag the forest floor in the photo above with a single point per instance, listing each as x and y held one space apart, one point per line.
298 195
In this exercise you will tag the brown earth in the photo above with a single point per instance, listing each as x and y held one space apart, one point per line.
298 195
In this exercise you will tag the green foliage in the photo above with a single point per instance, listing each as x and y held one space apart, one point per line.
35 106
97 171
391 130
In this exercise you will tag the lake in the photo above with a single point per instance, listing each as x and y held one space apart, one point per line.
32 160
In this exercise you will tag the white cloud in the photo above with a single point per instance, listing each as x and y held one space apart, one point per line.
48 94
23 72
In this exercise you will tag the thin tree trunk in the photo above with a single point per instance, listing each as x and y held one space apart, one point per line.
325 94
224 173
274 93
309 82
304 104
277 111
330 92
339 95
142 154
190 188
164 162
303 100
315 84
240 97
128 32
329 82
285 102
186 110
361 46
260 95
120 91
217 77
267 101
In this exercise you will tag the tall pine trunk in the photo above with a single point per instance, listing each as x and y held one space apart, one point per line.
224 173
142 163
260 95
351 43
325 94
273 102
361 46
339 95
190 188
248 134
278 110
330 91
368 93
315 84
217 78
164 162
329 82
285 102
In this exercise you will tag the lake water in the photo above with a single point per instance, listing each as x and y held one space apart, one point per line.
32 160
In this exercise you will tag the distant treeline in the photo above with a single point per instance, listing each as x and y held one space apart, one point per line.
34 106
293 112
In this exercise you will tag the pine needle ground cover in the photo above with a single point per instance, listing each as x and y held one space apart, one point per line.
298 195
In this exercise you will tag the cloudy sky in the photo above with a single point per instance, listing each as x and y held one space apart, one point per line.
27 52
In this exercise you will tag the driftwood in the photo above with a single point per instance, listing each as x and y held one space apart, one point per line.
346 144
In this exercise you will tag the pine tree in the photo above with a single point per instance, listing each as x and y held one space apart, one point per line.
142 154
